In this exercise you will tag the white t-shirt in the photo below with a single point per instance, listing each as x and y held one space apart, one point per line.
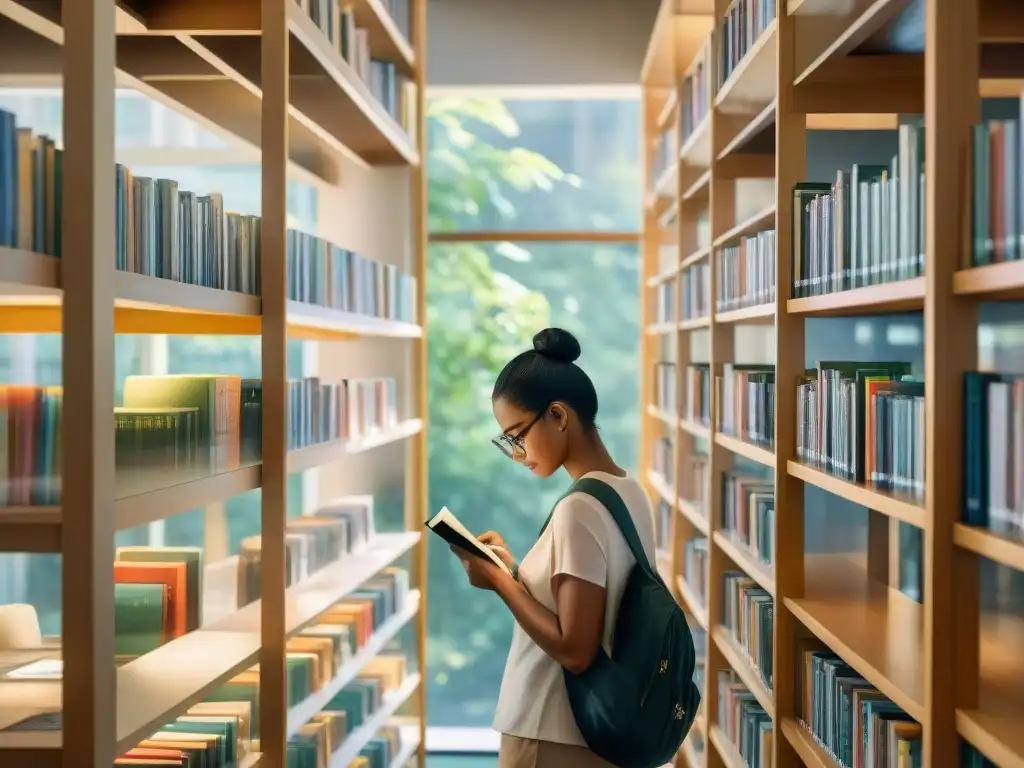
582 540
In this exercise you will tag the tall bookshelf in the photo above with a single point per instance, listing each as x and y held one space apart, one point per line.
819 65
274 78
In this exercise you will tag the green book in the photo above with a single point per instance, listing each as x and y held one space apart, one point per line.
139 618
192 557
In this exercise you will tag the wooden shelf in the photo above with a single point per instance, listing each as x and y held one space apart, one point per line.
659 486
31 303
745 561
893 505
691 603
659 329
752 83
694 429
696 149
664 417
746 450
1004 550
691 757
757 124
147 497
699 255
303 712
728 754
695 324
699 188
805 746
665 184
995 281
694 515
899 296
301 459
662 277
358 737
741 665
760 313
760 221
876 629
668 111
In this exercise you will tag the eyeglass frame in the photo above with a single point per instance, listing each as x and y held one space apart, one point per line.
518 452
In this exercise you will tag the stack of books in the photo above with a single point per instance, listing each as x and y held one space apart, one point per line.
748 613
864 422
312 542
748 514
849 717
747 403
743 721
697 384
864 229
745 273
695 568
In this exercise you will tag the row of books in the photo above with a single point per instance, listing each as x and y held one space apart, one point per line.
665 387
695 291
662 460
744 722
745 273
864 422
972 758
338 23
665 302
748 613
335 531
663 157
316 655
746 403
695 100
172 423
697 391
695 567
175 234
850 718
748 514
663 525
163 231
741 26
866 227
997 201
993 453
327 275
694 480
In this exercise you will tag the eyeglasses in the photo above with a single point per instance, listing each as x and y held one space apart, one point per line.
512 445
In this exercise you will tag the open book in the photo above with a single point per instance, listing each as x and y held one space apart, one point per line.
447 526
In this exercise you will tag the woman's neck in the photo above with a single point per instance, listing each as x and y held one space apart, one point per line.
591 456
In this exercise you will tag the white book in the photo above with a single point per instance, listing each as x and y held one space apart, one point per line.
447 526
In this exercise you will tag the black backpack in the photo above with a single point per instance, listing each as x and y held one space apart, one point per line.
635 707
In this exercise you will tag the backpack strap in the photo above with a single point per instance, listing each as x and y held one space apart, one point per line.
610 500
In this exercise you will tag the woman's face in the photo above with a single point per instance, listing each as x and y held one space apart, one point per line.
536 440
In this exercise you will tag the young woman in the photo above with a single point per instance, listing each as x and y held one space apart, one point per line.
568 587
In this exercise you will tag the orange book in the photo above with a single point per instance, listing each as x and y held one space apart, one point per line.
171 575
152 757
357 613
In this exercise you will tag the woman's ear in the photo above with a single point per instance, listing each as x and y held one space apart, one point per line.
561 416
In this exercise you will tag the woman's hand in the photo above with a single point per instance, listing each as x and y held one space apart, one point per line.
492 539
482 573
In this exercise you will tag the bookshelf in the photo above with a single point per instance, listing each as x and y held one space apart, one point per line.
727 140
328 92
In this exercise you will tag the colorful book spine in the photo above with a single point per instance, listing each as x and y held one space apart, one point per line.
743 721
695 567
697 404
748 514
696 93
746 403
745 273
748 613
695 291
739 31
665 387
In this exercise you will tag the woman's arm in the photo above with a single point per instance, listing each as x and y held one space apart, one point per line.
571 637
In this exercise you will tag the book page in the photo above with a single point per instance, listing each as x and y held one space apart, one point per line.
449 528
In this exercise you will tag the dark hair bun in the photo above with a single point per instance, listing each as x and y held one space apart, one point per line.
557 344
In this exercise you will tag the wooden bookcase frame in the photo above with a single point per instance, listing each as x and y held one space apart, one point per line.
106 711
923 656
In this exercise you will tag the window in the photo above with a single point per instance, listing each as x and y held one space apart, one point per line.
499 169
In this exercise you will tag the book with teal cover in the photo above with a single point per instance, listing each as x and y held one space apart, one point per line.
192 557
140 618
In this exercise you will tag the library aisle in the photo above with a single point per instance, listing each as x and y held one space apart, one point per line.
832 409
213 491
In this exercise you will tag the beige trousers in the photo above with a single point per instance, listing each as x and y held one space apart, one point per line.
530 753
